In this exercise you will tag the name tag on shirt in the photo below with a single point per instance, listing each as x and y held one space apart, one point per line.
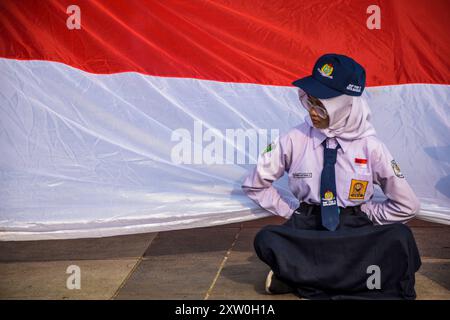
302 175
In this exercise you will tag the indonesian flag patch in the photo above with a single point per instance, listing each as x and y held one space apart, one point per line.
361 162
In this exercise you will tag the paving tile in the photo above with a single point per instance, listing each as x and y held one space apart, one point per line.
179 264
171 278
119 247
439 272
100 279
433 242
428 289
243 276
192 241
422 223
259 223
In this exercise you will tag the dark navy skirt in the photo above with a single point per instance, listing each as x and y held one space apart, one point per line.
357 261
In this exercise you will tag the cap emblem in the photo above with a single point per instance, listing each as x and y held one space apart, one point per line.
326 70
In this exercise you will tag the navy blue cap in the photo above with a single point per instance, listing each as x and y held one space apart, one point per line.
332 76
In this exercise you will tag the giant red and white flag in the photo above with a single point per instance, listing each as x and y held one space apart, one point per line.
121 117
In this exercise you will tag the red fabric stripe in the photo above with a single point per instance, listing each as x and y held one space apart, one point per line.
265 42
360 161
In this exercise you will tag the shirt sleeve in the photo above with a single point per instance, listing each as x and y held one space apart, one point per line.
401 204
272 164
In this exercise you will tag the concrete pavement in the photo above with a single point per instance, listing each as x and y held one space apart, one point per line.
203 263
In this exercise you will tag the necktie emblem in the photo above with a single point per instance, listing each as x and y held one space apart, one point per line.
329 199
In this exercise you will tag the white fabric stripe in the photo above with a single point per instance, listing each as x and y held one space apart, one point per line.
86 155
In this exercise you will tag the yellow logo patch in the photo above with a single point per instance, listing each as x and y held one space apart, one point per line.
327 69
357 189
329 195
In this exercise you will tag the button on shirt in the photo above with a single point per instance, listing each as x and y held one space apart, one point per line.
360 165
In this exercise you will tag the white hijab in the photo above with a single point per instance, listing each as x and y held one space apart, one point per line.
349 117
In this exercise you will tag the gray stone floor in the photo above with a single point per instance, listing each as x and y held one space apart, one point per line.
203 263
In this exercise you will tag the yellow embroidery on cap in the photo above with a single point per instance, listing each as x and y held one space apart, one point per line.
357 189
327 69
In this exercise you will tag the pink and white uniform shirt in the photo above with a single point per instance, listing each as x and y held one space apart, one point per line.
361 163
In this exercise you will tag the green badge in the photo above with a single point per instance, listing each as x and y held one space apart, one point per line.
268 148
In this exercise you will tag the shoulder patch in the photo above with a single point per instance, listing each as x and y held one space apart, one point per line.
396 169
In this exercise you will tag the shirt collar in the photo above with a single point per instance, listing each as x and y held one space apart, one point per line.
319 137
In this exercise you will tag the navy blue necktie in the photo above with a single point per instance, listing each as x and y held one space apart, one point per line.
328 202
